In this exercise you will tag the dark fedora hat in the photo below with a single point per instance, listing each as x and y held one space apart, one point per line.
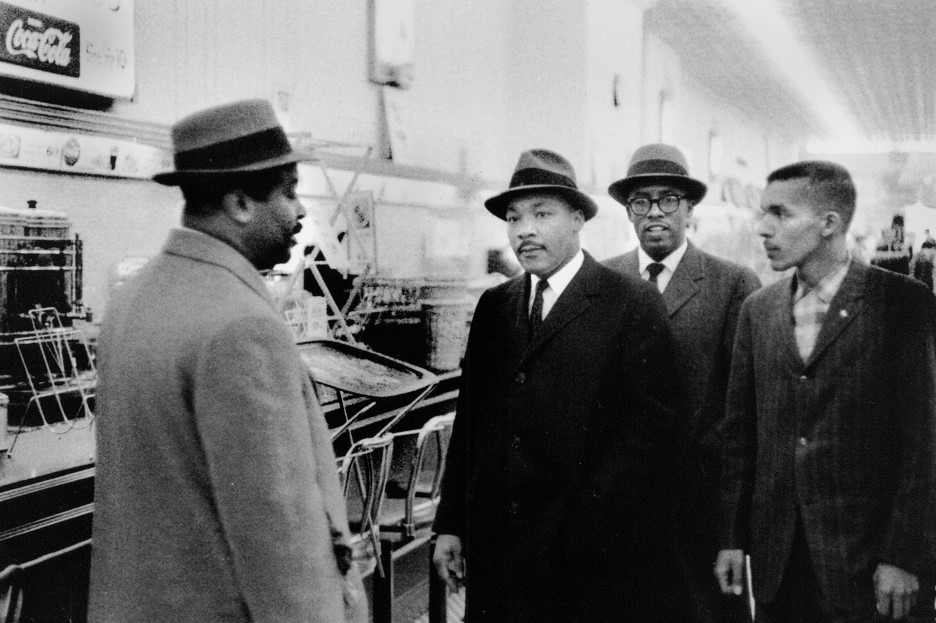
232 138
657 164
542 171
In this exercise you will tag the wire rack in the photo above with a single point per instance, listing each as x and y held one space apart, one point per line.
60 370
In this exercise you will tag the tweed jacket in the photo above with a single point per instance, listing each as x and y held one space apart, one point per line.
562 451
702 299
844 439
216 488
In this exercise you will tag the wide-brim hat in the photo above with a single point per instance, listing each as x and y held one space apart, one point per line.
657 164
232 138
542 171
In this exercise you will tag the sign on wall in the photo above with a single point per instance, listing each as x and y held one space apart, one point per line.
31 148
80 44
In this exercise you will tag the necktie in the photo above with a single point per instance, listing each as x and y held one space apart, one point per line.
536 313
654 268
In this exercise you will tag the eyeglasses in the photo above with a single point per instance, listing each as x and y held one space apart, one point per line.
642 205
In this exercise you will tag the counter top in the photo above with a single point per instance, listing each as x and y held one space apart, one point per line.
41 452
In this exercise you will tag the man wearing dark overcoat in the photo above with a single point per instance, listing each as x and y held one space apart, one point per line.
568 429
830 424
703 294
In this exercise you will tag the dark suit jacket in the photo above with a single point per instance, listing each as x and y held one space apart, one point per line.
845 439
703 299
556 477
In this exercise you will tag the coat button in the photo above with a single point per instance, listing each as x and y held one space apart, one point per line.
521 378
803 379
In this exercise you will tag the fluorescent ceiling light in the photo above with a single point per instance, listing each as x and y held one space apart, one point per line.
860 146
767 25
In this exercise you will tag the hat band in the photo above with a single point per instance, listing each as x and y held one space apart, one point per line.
236 152
536 177
657 166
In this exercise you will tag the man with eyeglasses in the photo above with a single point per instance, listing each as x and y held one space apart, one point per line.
703 295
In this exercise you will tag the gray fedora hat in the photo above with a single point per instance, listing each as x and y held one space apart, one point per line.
232 138
657 164
542 171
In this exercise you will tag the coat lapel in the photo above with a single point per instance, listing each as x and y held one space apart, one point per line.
573 301
781 319
631 263
847 303
686 282
519 297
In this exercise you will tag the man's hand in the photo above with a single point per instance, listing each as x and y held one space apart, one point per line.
448 560
896 590
729 569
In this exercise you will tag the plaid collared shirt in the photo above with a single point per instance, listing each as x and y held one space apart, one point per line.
810 307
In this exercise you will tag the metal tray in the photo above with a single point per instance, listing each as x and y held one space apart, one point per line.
360 371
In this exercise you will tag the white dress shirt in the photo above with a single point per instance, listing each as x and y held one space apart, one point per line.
557 283
670 262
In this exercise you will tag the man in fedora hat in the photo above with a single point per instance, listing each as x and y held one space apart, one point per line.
216 494
568 425
703 294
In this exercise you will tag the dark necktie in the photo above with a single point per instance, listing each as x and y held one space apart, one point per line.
655 269
536 312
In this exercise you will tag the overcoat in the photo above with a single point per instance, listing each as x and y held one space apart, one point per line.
703 299
563 454
216 487
844 439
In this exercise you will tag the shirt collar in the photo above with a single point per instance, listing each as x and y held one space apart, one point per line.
671 261
562 277
827 287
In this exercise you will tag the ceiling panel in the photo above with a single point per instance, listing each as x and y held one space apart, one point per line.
717 50
878 58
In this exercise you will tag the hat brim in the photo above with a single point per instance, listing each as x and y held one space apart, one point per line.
621 189
498 204
175 178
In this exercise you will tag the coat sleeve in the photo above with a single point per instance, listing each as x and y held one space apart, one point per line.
451 514
739 440
908 539
257 442
744 286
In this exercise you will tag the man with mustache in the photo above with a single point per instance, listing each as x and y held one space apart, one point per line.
216 494
830 426
703 294
568 430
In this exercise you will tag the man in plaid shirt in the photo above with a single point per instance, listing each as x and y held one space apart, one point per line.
830 424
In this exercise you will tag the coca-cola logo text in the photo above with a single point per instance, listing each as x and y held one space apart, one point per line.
48 46
39 41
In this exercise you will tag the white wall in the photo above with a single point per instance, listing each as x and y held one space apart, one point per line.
492 78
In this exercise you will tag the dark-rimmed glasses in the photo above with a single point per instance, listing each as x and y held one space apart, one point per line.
642 205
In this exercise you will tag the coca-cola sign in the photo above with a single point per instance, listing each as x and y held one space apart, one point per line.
39 42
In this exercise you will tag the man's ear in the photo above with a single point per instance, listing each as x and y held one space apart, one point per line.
237 205
831 222
579 218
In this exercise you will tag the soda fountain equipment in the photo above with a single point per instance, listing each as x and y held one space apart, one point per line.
46 364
